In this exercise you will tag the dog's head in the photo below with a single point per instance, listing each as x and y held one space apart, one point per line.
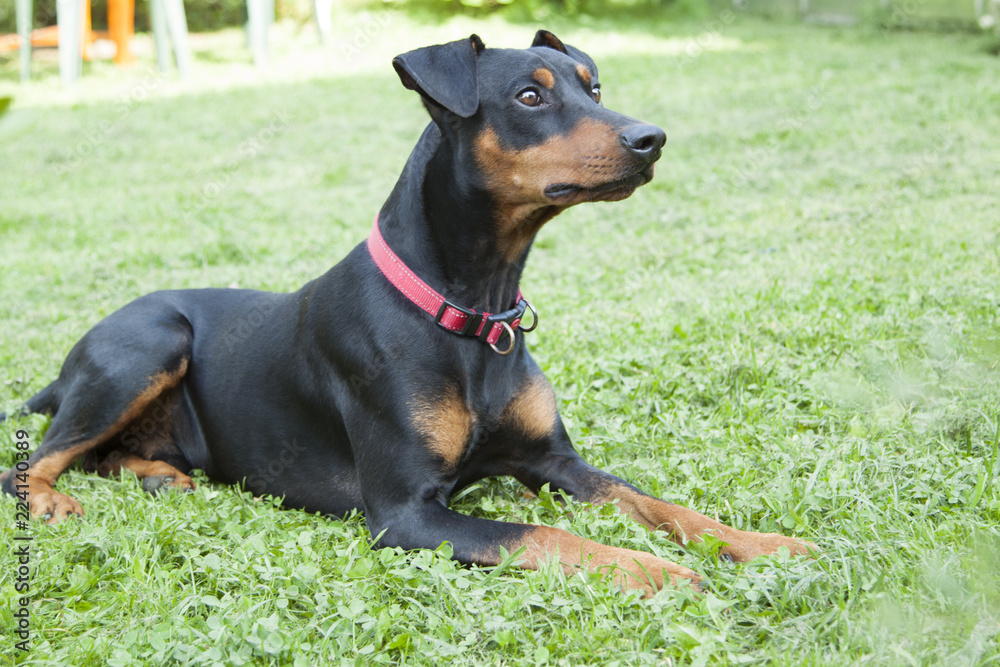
532 124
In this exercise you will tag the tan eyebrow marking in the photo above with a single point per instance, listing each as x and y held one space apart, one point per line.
545 77
583 73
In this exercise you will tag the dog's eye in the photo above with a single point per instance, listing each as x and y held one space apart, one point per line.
596 93
529 97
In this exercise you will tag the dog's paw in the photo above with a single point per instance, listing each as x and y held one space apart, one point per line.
744 546
650 574
156 484
52 507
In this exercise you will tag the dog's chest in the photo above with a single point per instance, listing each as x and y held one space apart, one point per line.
461 422
477 426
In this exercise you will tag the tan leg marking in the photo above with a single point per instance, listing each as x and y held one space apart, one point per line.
628 569
685 525
533 410
118 460
42 475
43 500
445 423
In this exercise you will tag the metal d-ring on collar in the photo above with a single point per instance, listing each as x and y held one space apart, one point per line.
510 332
514 316
534 317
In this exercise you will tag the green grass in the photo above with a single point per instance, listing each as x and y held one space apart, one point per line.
793 328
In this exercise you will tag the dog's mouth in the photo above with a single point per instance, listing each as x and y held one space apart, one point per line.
572 193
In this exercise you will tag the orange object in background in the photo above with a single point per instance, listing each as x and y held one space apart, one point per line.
121 26
42 37
121 29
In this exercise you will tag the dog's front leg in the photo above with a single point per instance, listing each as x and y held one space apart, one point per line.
427 524
568 472
408 461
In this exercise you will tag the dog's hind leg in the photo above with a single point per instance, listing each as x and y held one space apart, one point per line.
109 378
156 475
147 448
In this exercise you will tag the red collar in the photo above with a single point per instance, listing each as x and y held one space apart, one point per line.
487 327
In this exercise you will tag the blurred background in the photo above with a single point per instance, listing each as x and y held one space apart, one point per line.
329 18
209 15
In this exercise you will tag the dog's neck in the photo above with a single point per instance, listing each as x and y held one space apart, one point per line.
443 226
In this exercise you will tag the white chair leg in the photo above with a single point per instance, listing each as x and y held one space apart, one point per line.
323 14
69 17
177 26
24 12
257 28
161 34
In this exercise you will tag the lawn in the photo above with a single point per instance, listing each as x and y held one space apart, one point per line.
794 327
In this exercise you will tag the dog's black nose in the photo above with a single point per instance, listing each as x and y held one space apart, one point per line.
645 141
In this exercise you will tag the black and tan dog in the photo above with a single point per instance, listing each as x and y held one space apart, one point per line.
366 389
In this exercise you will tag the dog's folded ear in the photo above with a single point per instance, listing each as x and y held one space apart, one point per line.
546 39
444 74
